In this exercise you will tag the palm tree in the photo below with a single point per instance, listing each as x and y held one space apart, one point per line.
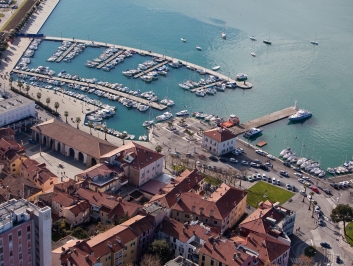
39 95
27 88
105 130
47 100
123 136
90 125
10 81
305 186
66 114
56 106
314 203
311 193
158 148
78 121
19 84
170 124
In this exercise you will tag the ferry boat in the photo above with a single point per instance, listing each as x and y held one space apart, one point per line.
182 113
164 116
300 115
252 132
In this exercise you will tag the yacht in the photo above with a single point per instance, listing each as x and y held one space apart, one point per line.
242 76
300 115
164 116
200 93
182 113
184 86
183 39
252 132
285 151
198 48
224 35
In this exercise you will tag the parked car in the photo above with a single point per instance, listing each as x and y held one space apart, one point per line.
257 161
255 165
300 180
284 173
289 187
264 167
264 178
223 160
244 162
310 198
259 177
287 164
320 222
269 164
259 152
213 158
278 182
297 169
298 175
294 188
327 191
270 156
269 179
250 179
233 160
198 163
325 244
274 182
302 192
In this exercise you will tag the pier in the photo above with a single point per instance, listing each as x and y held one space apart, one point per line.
150 69
206 86
61 57
154 105
110 59
264 120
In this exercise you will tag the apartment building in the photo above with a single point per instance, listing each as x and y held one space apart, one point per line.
218 141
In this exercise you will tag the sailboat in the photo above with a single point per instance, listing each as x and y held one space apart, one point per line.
252 37
315 42
267 41
224 35
253 53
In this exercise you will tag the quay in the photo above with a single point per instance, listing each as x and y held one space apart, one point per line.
66 52
206 86
154 105
110 59
240 84
264 120
150 69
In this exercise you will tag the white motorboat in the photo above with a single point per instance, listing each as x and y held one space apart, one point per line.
148 123
330 171
198 48
182 113
285 151
252 132
200 93
253 54
300 115
183 39
252 38
315 42
184 86
224 35
164 116
242 77
215 68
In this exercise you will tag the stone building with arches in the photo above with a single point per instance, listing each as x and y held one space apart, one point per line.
70 141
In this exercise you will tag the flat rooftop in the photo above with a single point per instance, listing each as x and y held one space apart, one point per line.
13 103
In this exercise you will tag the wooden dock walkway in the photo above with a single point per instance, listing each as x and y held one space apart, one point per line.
110 59
264 120
154 105
61 57
150 69
206 86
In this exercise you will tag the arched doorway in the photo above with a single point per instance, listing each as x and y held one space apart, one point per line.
59 147
94 162
37 137
44 141
80 156
51 143
71 152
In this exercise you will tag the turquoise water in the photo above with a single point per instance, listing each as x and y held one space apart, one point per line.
318 77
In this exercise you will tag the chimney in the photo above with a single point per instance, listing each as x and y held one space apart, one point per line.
235 256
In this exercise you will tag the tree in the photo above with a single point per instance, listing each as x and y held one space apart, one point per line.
56 106
170 124
314 204
161 249
10 81
158 148
27 88
66 114
39 95
342 213
79 233
150 260
310 202
90 125
47 100
19 84
105 130
78 121
123 136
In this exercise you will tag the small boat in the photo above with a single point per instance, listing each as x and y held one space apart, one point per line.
253 38
300 115
253 54
252 132
182 113
148 123
164 116
315 42
331 171
215 68
242 77
267 41
183 39
224 35
198 48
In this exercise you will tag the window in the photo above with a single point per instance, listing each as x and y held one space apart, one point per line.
177 213
212 262
29 251
28 228
1 250
220 264
20 256
203 257
10 237
215 222
132 251
28 235
132 244
11 253
186 215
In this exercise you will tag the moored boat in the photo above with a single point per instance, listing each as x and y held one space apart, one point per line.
252 132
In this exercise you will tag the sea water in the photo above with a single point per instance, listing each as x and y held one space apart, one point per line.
318 77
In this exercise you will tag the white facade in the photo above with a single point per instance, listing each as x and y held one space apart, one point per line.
15 109
150 171
218 148
43 225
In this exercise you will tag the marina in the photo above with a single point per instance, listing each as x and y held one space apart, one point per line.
66 52
150 69
110 59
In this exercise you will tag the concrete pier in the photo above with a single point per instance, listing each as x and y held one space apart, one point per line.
61 57
154 105
206 86
110 59
150 69
264 120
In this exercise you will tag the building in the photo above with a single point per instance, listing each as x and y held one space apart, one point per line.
38 173
103 177
78 213
16 108
25 234
71 141
271 219
11 156
185 239
180 261
218 141
222 209
139 163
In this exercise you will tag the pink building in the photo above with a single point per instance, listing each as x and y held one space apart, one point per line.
25 234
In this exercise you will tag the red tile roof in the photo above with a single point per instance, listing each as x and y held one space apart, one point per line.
139 224
68 186
79 207
7 133
220 134
74 138
124 206
34 169
64 199
100 169
97 198
19 187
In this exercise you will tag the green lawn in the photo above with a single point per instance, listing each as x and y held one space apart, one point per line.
349 231
274 194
